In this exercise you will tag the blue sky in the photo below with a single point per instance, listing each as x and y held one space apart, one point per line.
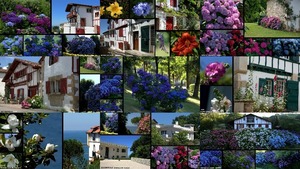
122 140
59 6
103 25
4 61
80 121
166 118
205 60
95 78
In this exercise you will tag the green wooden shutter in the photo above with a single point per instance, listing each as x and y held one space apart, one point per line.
294 58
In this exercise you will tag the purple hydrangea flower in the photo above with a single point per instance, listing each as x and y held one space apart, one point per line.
142 9
10 24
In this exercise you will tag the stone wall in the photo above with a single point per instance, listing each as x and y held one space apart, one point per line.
141 160
276 9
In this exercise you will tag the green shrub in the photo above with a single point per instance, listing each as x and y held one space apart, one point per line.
36 101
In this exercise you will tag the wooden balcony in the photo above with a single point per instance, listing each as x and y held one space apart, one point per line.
72 14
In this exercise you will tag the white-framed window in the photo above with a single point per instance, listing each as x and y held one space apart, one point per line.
163 132
88 10
280 86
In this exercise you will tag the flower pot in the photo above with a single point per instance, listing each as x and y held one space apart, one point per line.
238 106
248 106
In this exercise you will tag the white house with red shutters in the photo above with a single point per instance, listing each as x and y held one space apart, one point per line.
56 79
131 36
93 142
2 84
23 78
82 19
61 83
166 20
251 121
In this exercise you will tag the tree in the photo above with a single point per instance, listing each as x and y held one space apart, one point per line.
73 154
122 123
192 118
102 121
141 147
55 29
156 138
84 86
179 138
97 41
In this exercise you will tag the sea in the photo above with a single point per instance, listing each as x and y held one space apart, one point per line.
80 136
51 128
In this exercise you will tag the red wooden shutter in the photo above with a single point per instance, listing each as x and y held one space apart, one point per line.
55 59
171 2
121 32
63 85
47 87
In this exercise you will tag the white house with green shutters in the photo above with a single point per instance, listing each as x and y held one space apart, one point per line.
263 70
131 36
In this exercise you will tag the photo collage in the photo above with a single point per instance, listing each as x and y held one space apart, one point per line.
165 84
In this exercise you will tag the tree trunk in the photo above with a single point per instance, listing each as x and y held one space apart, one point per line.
196 87
169 70
187 73
156 65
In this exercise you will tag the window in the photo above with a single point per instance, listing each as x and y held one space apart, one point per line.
123 150
117 149
20 93
259 125
164 132
20 73
94 136
250 119
267 126
280 86
52 60
58 86
97 14
250 125
89 10
266 87
113 149
29 77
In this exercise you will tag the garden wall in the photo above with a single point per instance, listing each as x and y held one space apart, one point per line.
141 160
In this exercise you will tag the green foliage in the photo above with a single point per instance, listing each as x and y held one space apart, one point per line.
84 86
179 138
210 121
97 41
289 122
36 101
73 154
156 138
256 7
141 147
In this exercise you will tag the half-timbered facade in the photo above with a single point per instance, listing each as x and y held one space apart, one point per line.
251 121
263 70
23 78
82 19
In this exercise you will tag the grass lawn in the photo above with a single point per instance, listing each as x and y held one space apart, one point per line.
84 70
254 30
160 52
131 104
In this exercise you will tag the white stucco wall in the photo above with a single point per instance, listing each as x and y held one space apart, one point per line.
83 14
2 84
62 67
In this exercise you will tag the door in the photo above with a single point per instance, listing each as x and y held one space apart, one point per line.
169 24
135 40
82 22
292 95
12 93
145 38
106 152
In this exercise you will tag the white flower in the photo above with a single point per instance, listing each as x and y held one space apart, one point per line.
12 162
37 137
11 143
50 148
13 123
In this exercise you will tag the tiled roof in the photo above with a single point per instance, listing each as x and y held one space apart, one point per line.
15 63
95 129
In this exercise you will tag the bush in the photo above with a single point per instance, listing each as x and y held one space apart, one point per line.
271 22
36 101
82 45
154 92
